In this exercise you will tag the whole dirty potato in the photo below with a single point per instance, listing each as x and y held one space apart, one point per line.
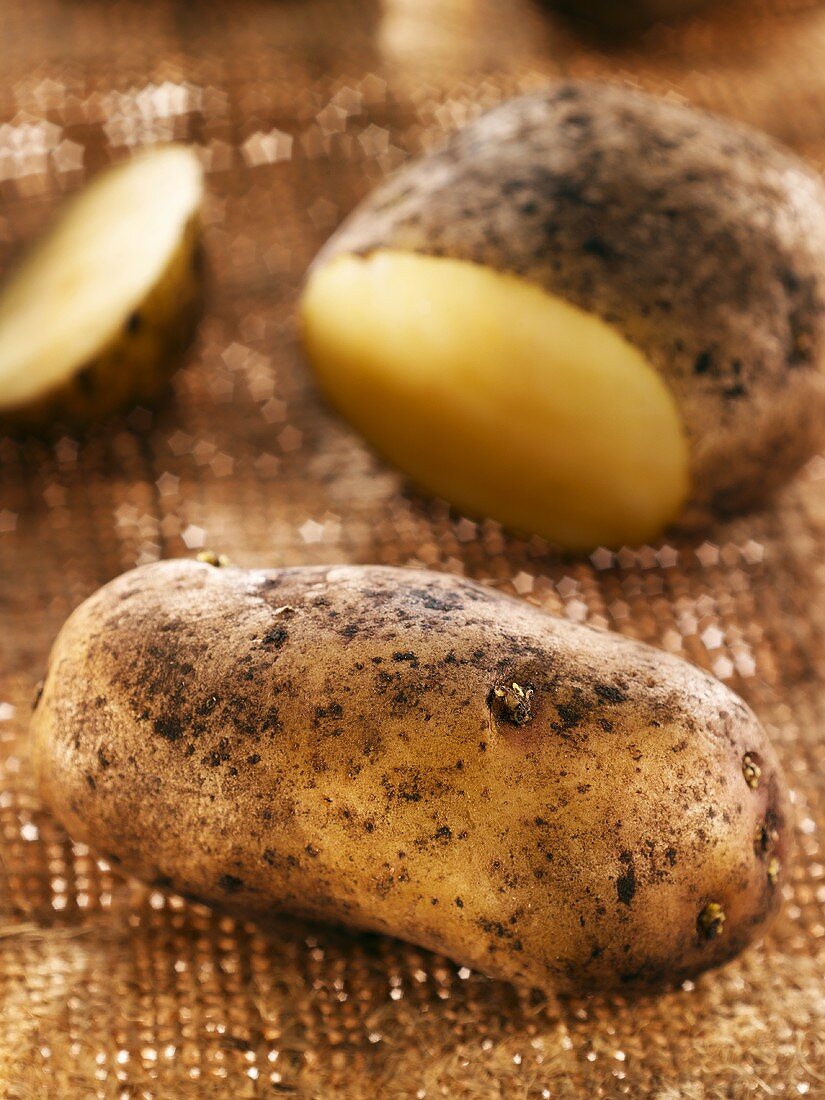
590 314
411 753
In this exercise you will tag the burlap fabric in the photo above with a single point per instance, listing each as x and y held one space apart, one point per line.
110 990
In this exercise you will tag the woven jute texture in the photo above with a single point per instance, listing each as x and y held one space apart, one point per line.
110 990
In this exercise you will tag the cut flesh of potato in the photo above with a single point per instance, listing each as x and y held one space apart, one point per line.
81 283
505 400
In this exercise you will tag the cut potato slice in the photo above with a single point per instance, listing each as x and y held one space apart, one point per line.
498 396
100 310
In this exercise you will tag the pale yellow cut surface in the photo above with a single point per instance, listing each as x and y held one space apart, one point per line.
79 284
505 400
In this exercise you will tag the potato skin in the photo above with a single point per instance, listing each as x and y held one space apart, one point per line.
328 741
701 241
139 360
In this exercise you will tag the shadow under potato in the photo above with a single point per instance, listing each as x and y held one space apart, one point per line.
618 21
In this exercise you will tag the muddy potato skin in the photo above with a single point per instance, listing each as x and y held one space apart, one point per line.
329 741
701 241
139 361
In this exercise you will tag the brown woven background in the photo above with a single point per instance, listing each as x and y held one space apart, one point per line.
109 990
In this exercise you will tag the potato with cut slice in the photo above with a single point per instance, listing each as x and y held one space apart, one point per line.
591 313
99 313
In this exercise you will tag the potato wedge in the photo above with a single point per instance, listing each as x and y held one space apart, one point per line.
410 753
100 311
